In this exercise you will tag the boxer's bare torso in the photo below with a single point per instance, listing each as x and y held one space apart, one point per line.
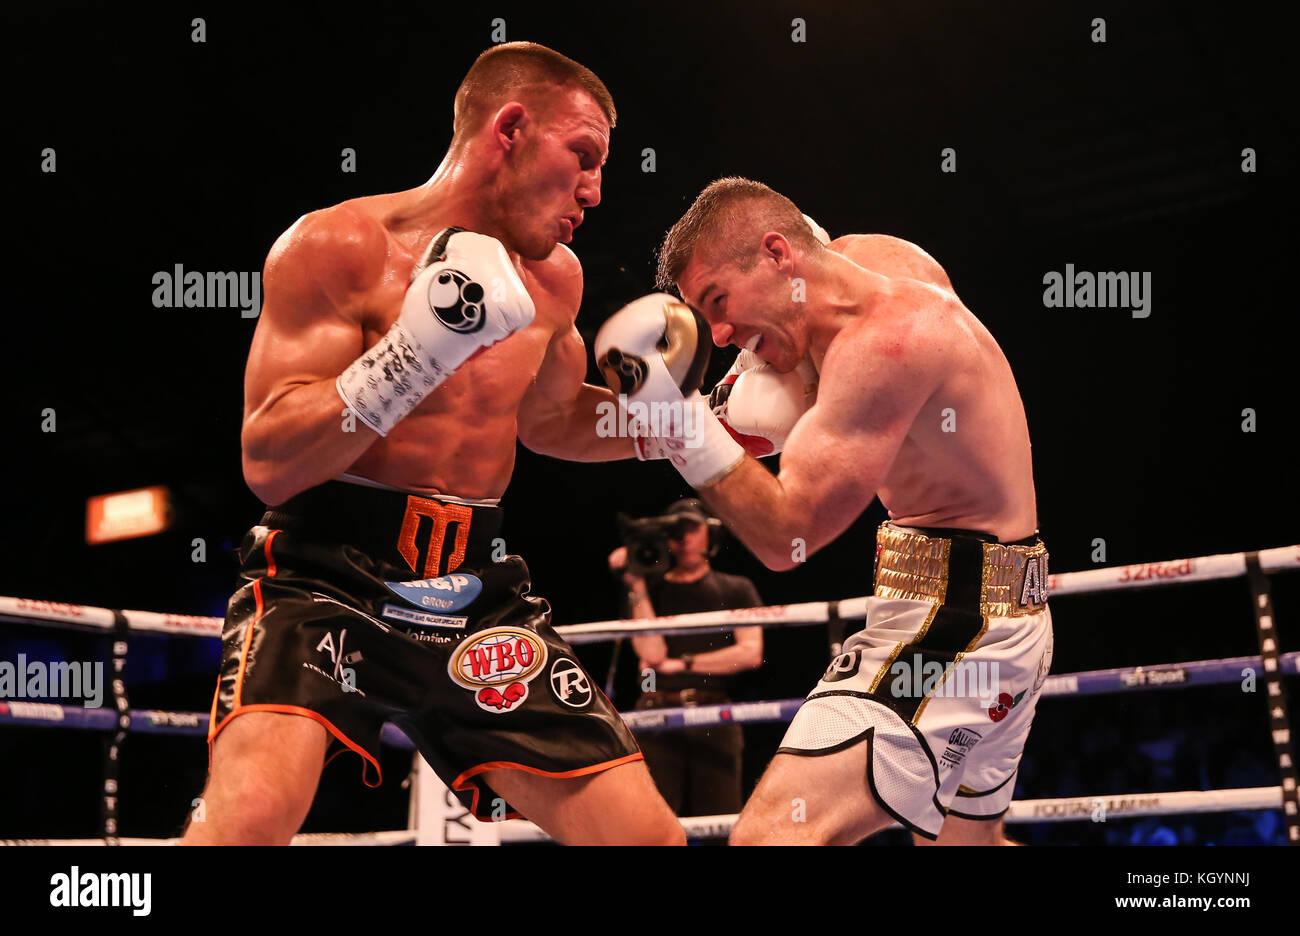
335 284
965 460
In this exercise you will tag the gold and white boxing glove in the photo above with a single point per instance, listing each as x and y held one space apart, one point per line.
653 352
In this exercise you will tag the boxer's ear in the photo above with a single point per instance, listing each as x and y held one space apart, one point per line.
508 121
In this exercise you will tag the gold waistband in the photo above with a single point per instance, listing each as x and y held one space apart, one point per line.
911 565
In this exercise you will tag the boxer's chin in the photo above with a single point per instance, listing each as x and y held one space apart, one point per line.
780 356
539 246
769 352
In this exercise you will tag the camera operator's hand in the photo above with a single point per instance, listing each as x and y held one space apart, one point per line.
669 667
618 563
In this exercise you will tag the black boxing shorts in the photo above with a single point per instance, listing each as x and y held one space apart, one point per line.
359 606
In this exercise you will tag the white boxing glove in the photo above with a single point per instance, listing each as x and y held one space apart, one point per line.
654 352
759 405
468 298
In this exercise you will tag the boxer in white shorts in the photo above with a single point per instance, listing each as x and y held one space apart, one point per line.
942 683
866 372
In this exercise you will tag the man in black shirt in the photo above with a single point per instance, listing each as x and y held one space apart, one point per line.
696 769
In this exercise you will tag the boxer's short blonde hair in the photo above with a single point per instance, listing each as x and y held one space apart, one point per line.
523 71
726 223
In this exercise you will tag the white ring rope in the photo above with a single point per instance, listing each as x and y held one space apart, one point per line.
1142 575
1070 809
1076 808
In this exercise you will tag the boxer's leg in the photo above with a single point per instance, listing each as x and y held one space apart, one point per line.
822 800
265 768
619 806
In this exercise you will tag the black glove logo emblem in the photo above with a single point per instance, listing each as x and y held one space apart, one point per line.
719 396
457 301
627 370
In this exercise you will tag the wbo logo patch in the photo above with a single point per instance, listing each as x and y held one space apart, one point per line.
497 665
445 593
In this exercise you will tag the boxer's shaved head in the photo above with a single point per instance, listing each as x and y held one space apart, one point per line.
733 256
726 224
526 72
531 135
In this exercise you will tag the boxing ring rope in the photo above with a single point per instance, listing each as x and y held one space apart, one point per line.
1093 682
1096 682
1141 575
1130 806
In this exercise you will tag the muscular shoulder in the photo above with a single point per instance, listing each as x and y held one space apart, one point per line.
912 338
559 275
338 250
893 257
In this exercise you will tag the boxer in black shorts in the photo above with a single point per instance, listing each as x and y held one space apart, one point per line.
332 623
407 343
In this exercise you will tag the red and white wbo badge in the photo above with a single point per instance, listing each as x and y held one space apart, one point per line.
497 665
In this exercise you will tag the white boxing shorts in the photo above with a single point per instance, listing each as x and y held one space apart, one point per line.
943 680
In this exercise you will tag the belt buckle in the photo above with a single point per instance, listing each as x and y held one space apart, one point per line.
688 696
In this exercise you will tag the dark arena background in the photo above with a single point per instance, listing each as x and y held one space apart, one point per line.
1008 140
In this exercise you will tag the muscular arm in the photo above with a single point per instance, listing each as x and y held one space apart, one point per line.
873 384
560 414
293 433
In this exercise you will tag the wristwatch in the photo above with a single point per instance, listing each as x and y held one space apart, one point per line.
688 661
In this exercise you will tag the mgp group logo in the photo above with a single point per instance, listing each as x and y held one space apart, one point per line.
497 665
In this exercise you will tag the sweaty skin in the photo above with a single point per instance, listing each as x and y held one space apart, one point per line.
334 284
916 402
